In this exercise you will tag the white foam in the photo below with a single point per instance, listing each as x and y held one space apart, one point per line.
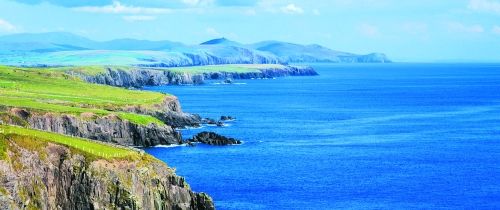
223 83
190 128
170 146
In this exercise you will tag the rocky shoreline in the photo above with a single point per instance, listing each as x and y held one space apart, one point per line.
55 176
109 128
147 76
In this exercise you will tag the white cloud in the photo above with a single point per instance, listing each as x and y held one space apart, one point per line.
496 30
460 27
292 9
369 30
6 26
212 32
485 5
118 8
136 18
198 2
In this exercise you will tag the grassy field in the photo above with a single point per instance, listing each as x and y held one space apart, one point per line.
53 91
90 147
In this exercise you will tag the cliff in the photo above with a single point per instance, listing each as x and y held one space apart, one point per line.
38 174
109 128
150 76
53 101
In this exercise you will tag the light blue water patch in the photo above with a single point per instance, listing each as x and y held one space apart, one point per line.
392 136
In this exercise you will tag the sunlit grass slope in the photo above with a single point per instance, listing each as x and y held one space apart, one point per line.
54 91
35 137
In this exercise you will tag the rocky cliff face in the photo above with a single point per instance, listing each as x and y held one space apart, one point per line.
140 77
51 176
108 128
169 112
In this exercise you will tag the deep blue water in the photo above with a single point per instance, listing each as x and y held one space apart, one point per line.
391 136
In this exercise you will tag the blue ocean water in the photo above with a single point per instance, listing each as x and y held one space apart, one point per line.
387 136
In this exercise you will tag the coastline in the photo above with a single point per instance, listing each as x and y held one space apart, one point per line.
139 77
70 107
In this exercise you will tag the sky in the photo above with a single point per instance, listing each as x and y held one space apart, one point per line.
408 31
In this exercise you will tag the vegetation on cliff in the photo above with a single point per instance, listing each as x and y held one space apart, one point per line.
53 91
92 148
40 170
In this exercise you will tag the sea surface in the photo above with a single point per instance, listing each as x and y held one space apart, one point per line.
373 136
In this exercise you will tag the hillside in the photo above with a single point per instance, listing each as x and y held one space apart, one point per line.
69 49
52 100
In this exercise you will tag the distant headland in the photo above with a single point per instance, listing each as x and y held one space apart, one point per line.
58 48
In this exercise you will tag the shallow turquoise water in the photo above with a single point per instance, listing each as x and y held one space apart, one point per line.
392 136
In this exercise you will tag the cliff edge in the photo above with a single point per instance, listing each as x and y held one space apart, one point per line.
40 170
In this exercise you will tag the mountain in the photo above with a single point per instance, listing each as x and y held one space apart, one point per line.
221 41
59 48
61 41
44 42
51 37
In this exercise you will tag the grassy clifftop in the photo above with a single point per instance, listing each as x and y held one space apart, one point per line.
40 170
90 148
54 91
233 68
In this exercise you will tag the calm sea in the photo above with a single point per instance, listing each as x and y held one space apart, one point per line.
388 136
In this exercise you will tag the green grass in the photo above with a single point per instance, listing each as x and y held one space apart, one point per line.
91 147
53 91
3 145
88 70
233 68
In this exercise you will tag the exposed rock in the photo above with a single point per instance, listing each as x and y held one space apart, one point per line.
227 118
169 112
140 77
55 177
220 123
208 121
212 138
108 128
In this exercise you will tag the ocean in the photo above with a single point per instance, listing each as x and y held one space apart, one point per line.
358 136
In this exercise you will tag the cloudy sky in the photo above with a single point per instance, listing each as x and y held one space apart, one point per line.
410 30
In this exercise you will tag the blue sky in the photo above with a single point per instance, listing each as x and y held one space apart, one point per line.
411 30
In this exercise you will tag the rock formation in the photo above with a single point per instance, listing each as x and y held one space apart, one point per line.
212 138
140 77
52 176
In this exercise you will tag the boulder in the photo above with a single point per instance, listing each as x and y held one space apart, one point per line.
212 138
227 118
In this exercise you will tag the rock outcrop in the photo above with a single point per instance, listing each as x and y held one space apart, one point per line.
169 112
227 118
141 76
107 128
212 138
52 176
